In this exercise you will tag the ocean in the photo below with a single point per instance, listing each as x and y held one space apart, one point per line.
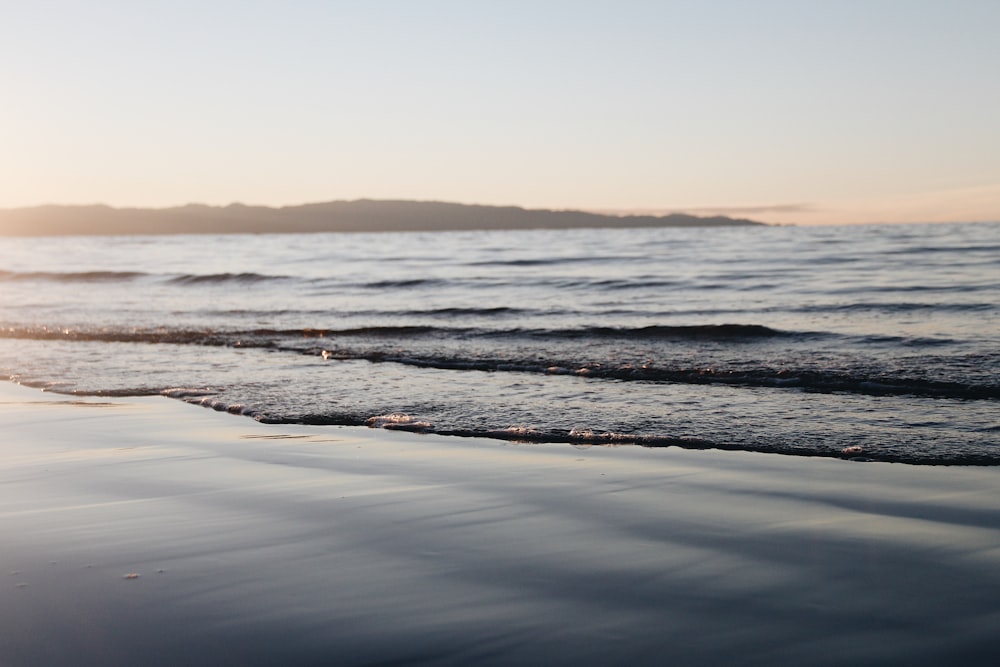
872 343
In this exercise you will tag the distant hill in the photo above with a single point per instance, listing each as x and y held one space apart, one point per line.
363 215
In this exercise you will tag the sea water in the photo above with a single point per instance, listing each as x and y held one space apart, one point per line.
864 342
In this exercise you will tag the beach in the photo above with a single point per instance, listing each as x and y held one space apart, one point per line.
447 334
145 530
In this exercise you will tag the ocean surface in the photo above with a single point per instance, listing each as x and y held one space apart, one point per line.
863 342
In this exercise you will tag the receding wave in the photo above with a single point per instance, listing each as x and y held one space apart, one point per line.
57 387
578 437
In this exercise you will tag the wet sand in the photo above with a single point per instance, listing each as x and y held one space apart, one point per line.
148 531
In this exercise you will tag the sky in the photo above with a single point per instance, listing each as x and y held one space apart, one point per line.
806 111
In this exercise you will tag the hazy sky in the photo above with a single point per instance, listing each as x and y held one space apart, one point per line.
786 111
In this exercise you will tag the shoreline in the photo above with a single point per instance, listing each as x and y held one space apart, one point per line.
403 423
293 544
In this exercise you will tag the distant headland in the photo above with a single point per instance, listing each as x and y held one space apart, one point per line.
361 215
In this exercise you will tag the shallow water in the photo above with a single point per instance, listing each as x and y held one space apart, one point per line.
883 341
143 531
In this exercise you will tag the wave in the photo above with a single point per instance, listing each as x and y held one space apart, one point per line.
583 437
215 278
908 341
957 249
73 276
268 338
548 261
595 352
437 313
470 312
57 387
129 276
896 307
403 283
611 284
964 288
176 337
580 437
696 332
170 335
806 380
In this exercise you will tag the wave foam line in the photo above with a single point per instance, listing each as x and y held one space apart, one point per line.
584 438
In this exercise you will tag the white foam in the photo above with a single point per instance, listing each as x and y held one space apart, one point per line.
399 422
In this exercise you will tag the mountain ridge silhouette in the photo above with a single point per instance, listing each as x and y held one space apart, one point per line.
359 215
